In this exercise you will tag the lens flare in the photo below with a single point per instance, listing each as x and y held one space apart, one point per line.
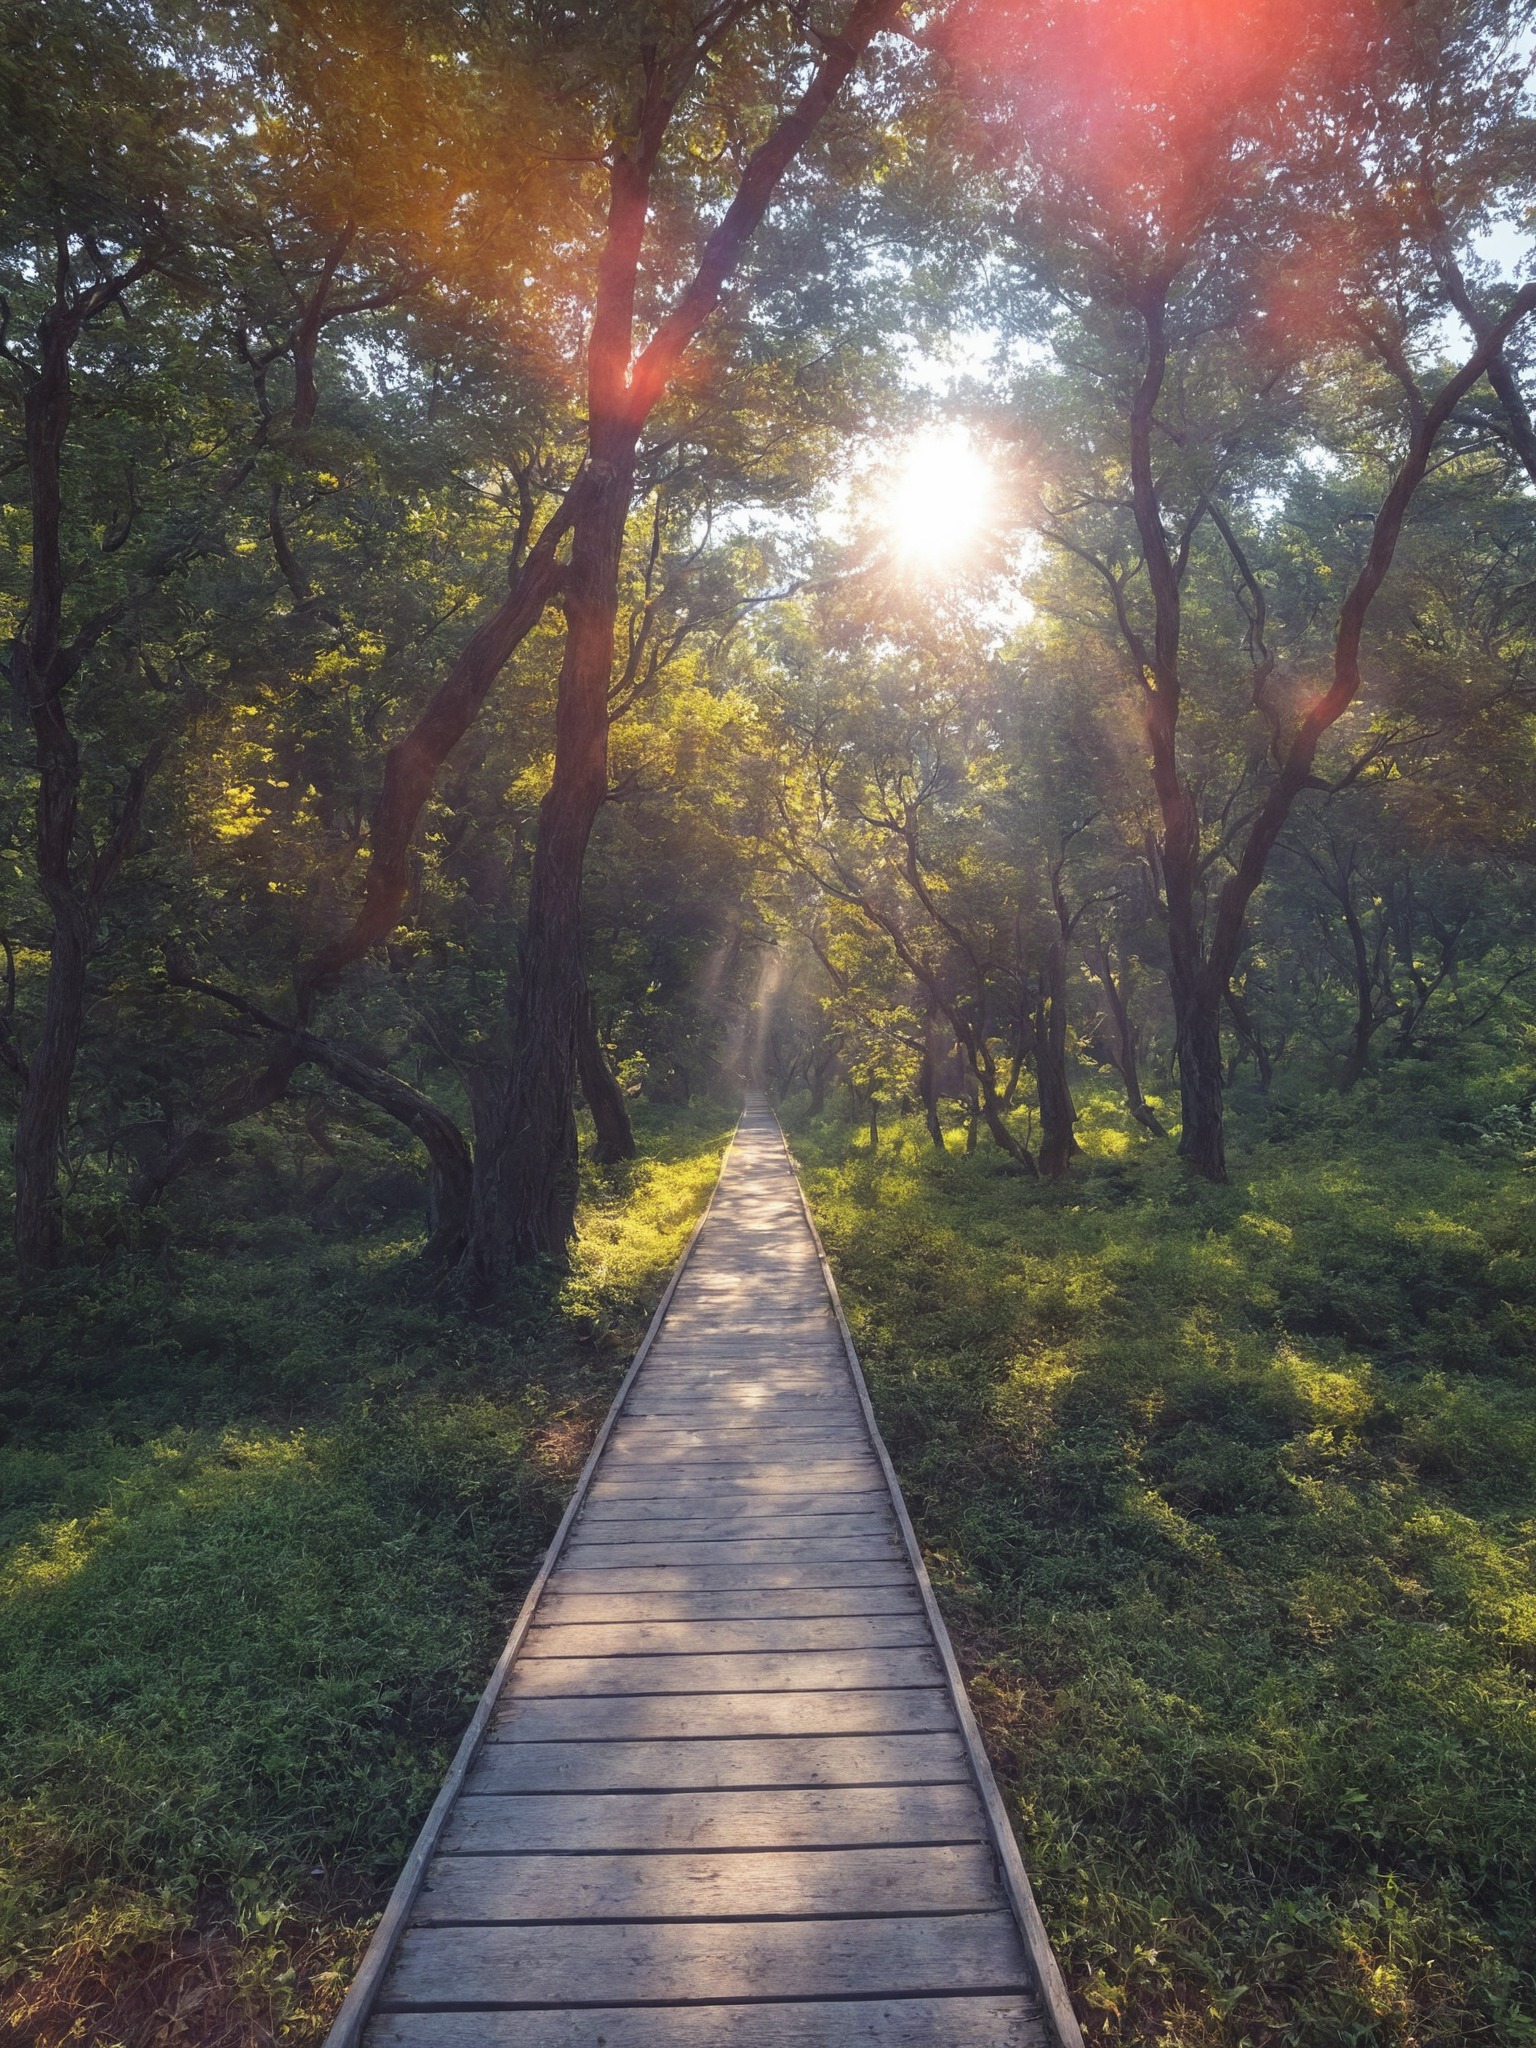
935 502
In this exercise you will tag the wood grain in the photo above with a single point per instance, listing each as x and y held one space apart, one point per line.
1008 2021
705 1765
448 1966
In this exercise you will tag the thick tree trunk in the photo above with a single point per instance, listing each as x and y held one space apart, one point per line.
524 1204
874 1123
1197 997
1057 1113
604 1097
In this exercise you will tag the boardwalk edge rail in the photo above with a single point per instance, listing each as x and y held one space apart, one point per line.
357 2007
1037 1943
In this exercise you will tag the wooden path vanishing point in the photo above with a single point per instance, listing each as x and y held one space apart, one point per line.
724 1789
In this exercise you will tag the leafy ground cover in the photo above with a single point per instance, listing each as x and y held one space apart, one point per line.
1230 1494
265 1511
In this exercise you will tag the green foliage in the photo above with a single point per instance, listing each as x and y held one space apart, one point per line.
1231 1497
266 1514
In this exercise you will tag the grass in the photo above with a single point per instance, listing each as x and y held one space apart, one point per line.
265 1513
1230 1495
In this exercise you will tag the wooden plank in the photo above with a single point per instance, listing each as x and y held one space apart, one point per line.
727 1404
780 1817
669 1638
688 1521
739 1671
768 1603
949 1878
670 1961
592 1556
692 1576
837 1447
662 1766
740 1483
636 1717
1002 2021
682 1501
795 1472
677 1503
665 1440
718 1496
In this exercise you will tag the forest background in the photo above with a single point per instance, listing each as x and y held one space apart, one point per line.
973 566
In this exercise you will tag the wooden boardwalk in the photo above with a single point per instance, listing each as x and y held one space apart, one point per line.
724 1790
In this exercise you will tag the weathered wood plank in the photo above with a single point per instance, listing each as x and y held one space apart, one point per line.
1003 2021
678 1501
743 1603
781 1817
637 1716
737 1671
685 1520
694 1576
786 1475
655 1462
666 1441
669 1961
753 1884
702 1766
738 1484
592 1555
669 1638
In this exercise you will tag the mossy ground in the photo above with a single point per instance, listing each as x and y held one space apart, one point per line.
1231 1498
266 1508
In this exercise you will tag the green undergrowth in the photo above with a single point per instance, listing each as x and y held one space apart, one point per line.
1230 1494
266 1507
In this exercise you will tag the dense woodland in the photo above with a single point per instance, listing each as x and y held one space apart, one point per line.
973 566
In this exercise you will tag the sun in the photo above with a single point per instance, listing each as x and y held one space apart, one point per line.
936 500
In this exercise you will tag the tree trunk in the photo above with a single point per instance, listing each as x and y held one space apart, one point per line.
1127 1052
449 1177
874 1123
604 1097
43 665
1366 1019
1057 1114
43 1116
1251 1033
524 1204
928 1089
1197 1048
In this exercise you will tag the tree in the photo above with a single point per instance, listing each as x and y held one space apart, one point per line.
1187 383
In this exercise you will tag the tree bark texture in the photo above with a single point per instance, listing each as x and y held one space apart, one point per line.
525 1155
1057 1113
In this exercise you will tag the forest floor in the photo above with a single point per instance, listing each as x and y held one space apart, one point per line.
1230 1495
265 1513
